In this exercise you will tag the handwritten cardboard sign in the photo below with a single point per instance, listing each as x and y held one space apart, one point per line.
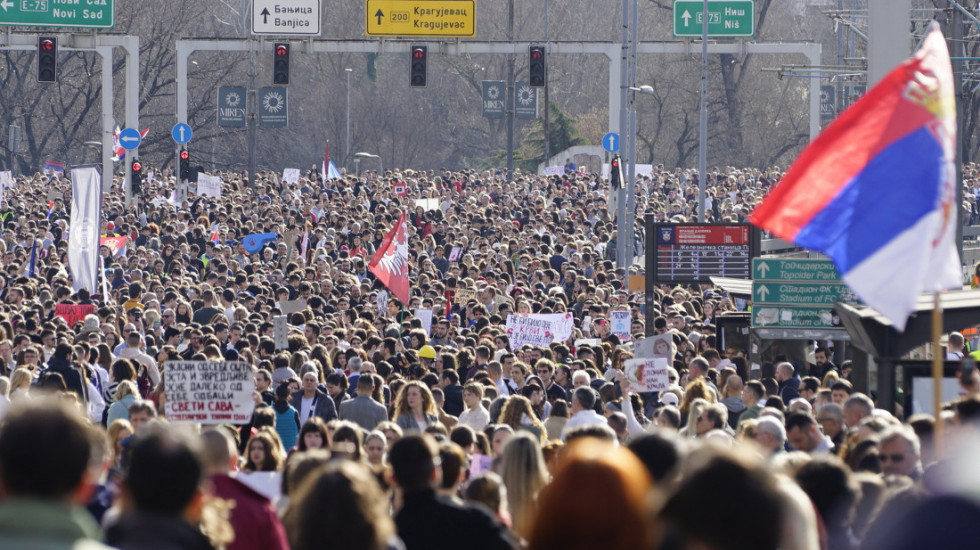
209 392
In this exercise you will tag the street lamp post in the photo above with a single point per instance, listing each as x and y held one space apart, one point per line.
347 141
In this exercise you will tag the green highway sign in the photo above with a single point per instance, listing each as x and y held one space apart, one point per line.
794 317
812 294
804 271
726 18
94 14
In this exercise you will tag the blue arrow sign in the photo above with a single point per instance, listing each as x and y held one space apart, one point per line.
610 142
181 133
130 139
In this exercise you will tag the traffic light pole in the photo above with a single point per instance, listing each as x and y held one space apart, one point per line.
253 105
622 228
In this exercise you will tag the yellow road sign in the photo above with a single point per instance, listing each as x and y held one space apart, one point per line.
420 18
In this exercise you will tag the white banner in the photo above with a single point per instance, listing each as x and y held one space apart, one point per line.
532 328
83 238
290 175
209 392
529 329
644 375
209 186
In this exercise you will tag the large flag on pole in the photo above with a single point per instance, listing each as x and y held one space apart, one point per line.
876 190
390 262
83 238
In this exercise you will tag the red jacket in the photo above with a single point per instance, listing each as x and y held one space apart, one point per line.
256 525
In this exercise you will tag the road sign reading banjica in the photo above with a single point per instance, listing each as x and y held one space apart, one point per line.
94 14
420 18
285 17
726 18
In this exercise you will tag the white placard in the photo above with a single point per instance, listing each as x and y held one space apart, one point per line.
591 342
425 315
280 332
659 345
647 375
427 204
290 175
209 392
621 321
209 186
292 306
6 180
383 303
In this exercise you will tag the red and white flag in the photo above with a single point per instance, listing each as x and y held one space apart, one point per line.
400 188
390 263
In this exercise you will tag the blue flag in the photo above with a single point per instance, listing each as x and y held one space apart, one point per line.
254 242
31 267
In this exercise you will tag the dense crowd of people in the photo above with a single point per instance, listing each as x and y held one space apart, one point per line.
378 427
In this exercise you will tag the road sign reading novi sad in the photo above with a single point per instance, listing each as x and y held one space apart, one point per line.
726 18
96 14
420 18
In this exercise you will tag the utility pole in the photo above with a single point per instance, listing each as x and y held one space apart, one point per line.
510 93
958 53
547 103
253 105
622 229
703 126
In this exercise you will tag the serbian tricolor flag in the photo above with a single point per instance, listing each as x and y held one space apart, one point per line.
214 236
50 208
390 262
875 191
329 171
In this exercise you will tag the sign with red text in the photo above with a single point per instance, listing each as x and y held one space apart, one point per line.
209 392
529 330
644 375
73 313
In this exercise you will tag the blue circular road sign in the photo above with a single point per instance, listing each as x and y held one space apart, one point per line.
610 142
130 139
182 133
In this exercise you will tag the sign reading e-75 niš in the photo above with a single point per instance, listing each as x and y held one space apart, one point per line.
94 14
726 18
420 18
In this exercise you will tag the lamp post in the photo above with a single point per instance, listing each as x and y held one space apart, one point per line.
347 141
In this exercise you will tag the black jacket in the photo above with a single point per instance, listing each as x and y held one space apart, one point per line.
430 523
151 532
73 379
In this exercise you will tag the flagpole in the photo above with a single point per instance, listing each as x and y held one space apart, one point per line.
937 372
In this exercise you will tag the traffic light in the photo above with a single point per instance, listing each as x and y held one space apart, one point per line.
47 59
419 54
615 173
536 67
280 66
185 165
137 182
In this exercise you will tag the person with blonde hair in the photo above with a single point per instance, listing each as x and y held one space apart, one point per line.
525 473
20 384
118 431
415 408
126 395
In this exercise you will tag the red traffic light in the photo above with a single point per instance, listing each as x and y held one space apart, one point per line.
184 155
615 163
47 45
418 53
535 54
137 166
282 49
